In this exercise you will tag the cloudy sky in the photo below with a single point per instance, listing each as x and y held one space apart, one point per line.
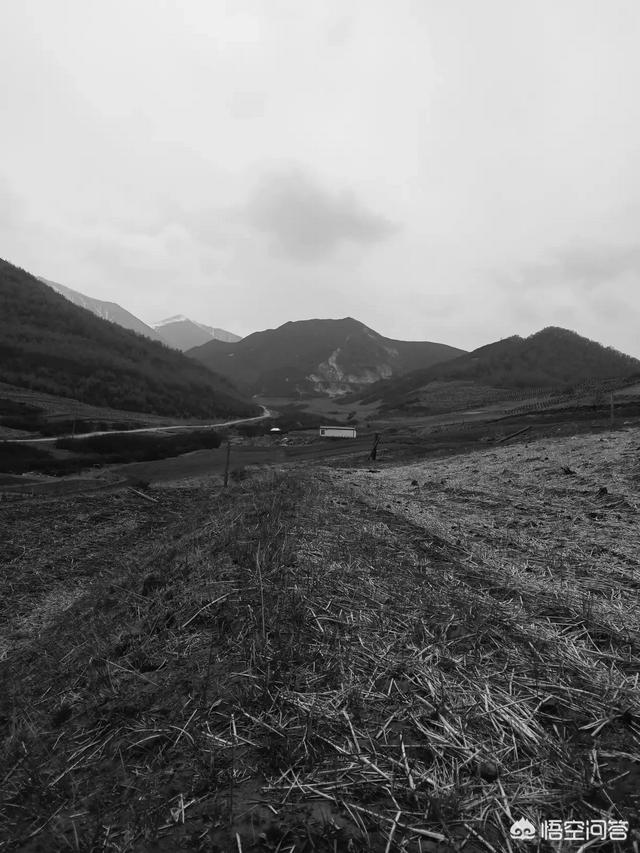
446 170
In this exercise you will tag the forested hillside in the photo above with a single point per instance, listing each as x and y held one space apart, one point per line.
551 358
48 344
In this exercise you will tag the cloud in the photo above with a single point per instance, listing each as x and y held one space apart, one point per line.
308 223
340 32
246 105
591 288
580 272
12 207
594 266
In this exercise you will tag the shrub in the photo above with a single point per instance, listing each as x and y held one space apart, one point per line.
252 430
23 422
19 458
66 425
17 415
141 447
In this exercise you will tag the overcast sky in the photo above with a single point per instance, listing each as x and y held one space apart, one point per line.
447 170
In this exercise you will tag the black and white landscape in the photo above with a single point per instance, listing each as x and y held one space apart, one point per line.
319 426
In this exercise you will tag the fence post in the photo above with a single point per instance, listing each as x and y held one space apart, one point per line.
374 449
611 404
226 467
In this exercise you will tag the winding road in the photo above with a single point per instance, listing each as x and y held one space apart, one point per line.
265 414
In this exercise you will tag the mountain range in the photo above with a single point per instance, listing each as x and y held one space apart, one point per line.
49 344
182 333
60 341
318 357
106 310
177 332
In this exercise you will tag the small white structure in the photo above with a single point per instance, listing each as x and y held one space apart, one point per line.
275 431
337 432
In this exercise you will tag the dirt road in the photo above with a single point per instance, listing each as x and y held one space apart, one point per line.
265 414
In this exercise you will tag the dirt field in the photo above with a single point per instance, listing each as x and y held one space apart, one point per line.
344 656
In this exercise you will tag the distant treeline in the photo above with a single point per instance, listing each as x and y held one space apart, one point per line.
48 344
16 458
139 447
20 458
553 358
22 416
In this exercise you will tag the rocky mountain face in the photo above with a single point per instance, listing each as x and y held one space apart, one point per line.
322 357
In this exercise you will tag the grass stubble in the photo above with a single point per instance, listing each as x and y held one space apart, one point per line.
343 660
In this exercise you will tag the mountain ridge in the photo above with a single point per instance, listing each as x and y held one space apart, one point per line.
47 343
550 358
329 357
105 309
178 332
183 333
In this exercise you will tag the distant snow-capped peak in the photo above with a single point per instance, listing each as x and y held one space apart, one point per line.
179 318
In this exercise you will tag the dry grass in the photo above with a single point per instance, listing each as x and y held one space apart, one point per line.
342 661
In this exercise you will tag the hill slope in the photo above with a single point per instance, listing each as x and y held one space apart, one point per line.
184 334
330 357
48 344
106 310
551 358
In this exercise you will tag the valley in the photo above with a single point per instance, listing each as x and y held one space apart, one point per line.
402 437
223 631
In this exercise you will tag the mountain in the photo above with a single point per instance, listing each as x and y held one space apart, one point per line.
329 357
178 332
552 358
49 344
183 334
107 310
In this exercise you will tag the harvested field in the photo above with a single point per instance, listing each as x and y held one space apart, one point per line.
328 659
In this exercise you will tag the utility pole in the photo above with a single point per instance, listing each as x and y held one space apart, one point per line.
226 468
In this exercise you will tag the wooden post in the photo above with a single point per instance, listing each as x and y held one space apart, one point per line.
374 449
226 467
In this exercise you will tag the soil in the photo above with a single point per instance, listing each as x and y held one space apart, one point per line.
184 666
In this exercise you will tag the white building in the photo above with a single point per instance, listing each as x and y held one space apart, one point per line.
337 432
